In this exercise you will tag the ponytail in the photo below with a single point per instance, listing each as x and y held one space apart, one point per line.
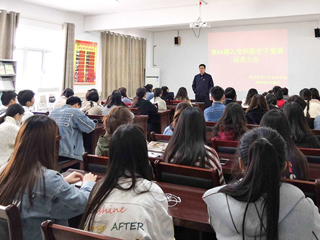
12 111
263 152
308 107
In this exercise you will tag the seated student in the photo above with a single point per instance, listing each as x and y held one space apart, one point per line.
26 100
146 108
180 107
68 92
92 105
124 97
232 124
7 98
250 94
303 104
276 120
214 113
285 92
114 101
72 122
149 89
157 93
165 93
257 108
277 91
182 95
117 117
300 131
230 94
315 95
9 127
126 204
30 180
188 143
272 101
259 206
313 109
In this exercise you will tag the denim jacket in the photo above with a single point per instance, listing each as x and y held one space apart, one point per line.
72 122
214 113
53 199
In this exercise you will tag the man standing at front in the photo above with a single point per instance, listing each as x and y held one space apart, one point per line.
202 83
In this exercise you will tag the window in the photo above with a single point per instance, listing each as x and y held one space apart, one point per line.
39 56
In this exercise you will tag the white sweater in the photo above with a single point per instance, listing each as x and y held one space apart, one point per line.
130 215
8 132
161 103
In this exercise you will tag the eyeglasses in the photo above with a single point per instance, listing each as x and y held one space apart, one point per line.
173 200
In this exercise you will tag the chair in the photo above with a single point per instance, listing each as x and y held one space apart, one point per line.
41 113
68 163
159 137
135 111
224 146
142 122
310 189
312 154
176 102
186 175
96 118
51 231
94 163
252 126
316 133
10 223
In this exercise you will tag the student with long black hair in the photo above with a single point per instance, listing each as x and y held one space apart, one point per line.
276 120
126 204
30 181
313 109
300 131
188 143
259 206
250 94
232 124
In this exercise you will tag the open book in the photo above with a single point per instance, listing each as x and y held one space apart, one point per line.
158 147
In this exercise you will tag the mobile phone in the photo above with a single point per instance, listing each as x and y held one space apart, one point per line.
224 161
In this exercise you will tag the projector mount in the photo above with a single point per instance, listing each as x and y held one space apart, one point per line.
198 24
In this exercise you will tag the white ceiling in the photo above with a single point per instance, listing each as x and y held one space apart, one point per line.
92 7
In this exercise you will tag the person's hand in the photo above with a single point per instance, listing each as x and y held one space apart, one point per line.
89 177
74 177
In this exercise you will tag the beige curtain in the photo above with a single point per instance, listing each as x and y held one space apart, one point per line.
123 63
69 31
8 26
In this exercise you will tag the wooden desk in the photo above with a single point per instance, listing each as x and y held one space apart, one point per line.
164 120
190 213
232 167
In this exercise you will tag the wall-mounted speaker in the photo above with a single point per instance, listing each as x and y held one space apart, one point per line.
177 40
317 32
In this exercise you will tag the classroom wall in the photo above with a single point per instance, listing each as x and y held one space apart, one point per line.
53 16
179 64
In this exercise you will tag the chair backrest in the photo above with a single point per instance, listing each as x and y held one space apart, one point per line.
51 231
96 118
175 102
41 113
312 154
186 175
225 146
252 126
239 102
310 189
94 163
10 223
159 137
142 122
135 111
316 133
